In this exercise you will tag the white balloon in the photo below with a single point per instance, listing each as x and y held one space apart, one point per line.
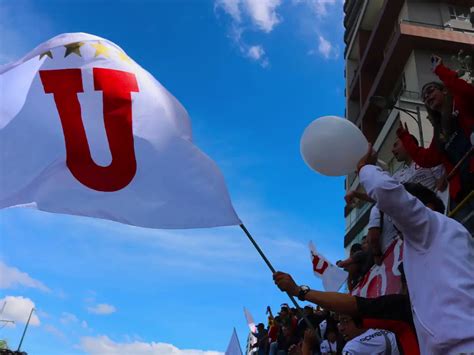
333 146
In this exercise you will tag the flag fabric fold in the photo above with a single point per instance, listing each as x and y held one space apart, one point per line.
332 276
84 130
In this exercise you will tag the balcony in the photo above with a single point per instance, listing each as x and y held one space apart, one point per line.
407 36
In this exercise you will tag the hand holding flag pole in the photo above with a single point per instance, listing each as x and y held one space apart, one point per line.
272 269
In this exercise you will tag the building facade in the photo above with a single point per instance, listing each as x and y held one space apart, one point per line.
387 55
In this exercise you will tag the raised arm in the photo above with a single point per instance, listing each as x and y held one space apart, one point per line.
456 85
424 157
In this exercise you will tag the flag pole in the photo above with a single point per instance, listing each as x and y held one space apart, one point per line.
272 269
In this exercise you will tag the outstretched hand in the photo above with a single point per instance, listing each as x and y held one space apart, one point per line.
286 283
370 158
435 62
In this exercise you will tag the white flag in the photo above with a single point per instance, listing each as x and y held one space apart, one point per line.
332 276
251 323
85 130
234 346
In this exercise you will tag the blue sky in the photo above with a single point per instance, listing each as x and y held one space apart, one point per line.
252 75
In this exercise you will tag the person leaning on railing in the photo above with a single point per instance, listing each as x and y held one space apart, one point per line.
450 107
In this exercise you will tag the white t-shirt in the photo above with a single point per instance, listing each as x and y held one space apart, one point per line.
372 342
438 258
389 232
327 347
407 173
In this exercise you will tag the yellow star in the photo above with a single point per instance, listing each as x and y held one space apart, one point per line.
124 57
100 49
48 53
73 48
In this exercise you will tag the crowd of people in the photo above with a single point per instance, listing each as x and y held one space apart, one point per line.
329 333
433 311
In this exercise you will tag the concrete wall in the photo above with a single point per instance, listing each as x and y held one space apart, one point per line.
411 74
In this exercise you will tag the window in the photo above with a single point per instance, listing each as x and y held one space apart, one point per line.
461 13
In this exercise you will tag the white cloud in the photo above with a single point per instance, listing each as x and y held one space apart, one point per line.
103 345
263 13
320 7
326 49
72 320
102 308
68 318
231 7
17 309
256 52
11 277
55 331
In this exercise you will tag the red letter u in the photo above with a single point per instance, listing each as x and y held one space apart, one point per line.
319 270
116 86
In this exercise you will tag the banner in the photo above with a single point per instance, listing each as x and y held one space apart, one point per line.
332 276
85 130
384 279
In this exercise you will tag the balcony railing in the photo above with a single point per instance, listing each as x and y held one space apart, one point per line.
441 27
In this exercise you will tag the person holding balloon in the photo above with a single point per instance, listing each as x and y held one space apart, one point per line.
438 258
381 231
438 251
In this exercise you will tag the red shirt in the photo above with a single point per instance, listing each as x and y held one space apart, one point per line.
273 332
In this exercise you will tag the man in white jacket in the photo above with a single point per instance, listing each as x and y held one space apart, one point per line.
438 259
